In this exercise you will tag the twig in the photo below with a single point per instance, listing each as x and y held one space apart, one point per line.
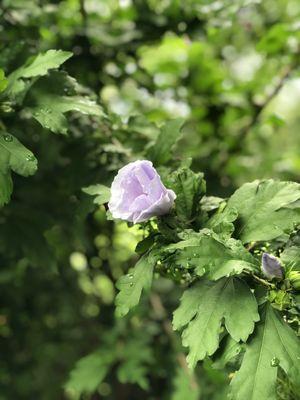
259 109
83 14
260 280
286 72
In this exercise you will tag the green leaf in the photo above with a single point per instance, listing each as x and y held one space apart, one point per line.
228 352
203 308
274 343
3 81
222 222
90 371
145 244
50 110
210 255
185 386
275 40
18 157
132 285
41 64
6 186
189 188
169 227
209 203
290 257
101 192
38 66
136 359
265 209
160 153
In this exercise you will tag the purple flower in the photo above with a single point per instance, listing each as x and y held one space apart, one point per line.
271 266
138 194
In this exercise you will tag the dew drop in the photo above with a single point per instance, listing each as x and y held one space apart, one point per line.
8 138
275 362
131 284
130 276
30 157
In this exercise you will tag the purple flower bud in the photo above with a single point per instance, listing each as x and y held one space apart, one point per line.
271 266
138 194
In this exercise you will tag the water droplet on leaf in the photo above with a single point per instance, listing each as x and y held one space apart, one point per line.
130 276
275 362
8 138
30 157
131 284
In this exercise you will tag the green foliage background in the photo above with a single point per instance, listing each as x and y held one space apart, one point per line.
71 119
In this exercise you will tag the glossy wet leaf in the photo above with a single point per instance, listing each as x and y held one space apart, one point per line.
273 344
131 285
50 110
202 309
265 209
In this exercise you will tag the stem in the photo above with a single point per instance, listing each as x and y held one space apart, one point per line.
161 314
250 246
260 280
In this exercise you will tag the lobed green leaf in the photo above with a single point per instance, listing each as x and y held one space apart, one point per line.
90 371
160 153
131 285
101 192
202 310
273 344
265 209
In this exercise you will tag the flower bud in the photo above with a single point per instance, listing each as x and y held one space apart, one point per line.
138 194
271 266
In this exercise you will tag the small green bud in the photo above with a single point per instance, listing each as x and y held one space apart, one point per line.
294 277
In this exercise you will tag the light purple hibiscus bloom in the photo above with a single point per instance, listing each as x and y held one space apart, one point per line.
138 194
271 266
